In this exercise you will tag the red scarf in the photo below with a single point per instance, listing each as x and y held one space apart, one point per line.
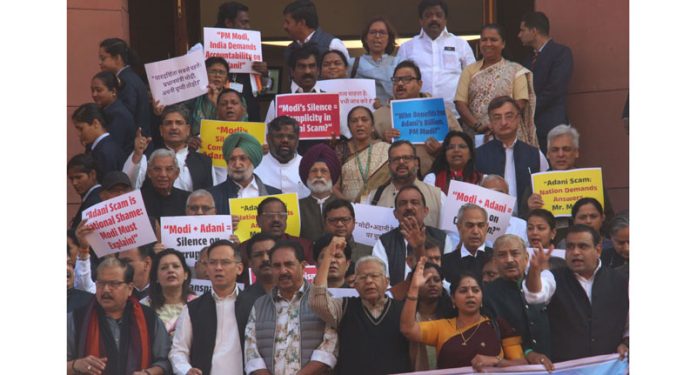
139 334
443 178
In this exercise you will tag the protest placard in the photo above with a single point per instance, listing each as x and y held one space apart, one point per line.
561 189
319 115
351 93
371 222
214 132
419 119
498 206
119 224
189 234
178 79
239 47
246 208
310 272
607 364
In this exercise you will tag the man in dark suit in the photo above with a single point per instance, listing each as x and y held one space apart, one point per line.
92 128
82 173
552 65
472 254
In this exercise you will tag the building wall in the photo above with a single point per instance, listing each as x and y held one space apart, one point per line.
597 33
89 22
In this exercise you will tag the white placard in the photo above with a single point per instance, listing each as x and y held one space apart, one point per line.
178 79
239 47
190 234
498 206
371 222
119 224
351 93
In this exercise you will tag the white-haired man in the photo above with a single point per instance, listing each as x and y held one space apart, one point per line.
159 194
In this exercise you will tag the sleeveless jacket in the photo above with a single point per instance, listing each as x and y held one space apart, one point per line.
395 247
311 327
490 159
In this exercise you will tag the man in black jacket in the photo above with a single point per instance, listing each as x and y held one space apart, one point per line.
587 301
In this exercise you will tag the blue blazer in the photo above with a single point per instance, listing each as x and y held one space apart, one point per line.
552 72
134 97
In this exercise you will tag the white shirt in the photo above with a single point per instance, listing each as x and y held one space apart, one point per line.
548 286
227 355
137 172
510 169
441 62
320 202
380 252
250 191
83 276
464 252
99 138
285 177
295 89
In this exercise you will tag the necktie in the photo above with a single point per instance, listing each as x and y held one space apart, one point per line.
534 58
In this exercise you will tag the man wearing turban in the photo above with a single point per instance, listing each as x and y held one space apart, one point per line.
319 171
242 153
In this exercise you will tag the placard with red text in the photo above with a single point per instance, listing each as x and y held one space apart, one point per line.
319 115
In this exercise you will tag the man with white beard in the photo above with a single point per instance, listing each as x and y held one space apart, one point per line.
319 171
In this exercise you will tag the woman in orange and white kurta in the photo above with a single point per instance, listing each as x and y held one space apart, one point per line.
491 77
470 338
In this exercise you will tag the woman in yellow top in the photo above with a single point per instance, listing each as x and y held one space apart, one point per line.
469 339
491 77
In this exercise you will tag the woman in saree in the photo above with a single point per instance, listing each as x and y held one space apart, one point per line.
170 278
363 157
469 339
455 161
491 77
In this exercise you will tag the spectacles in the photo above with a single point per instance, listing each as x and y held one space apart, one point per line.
454 146
508 116
220 262
363 276
274 214
195 208
342 220
216 72
404 80
378 33
111 284
405 159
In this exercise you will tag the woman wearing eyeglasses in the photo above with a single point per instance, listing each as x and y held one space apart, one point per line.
454 161
170 278
491 77
379 40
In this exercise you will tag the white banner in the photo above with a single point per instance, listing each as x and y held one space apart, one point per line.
239 47
119 224
178 79
190 234
608 364
351 93
498 206
371 222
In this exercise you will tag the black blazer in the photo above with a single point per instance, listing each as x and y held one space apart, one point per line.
552 71
90 200
222 192
454 265
134 97
121 125
109 156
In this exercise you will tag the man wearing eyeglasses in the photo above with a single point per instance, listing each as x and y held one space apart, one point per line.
207 337
272 219
505 155
403 168
114 333
243 154
368 325
339 220
411 210
407 84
